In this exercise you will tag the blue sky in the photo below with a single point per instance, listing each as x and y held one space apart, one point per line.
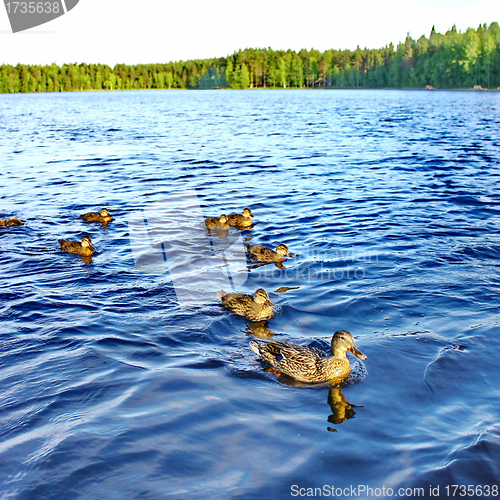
114 31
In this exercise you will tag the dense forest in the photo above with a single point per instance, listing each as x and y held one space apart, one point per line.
454 60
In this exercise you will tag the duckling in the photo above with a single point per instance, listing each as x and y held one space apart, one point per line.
84 248
307 364
256 308
264 254
14 221
220 223
103 216
240 220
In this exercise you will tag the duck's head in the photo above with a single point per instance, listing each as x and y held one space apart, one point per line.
248 213
104 212
223 219
283 250
343 341
261 297
87 243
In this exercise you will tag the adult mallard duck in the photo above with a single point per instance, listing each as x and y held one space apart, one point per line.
103 216
256 308
84 248
240 220
308 364
214 223
14 221
264 254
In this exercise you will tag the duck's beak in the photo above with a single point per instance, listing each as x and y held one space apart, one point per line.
357 352
269 303
92 248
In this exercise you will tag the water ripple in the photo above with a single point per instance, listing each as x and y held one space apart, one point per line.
111 387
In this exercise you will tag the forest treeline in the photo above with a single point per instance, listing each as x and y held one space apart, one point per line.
453 60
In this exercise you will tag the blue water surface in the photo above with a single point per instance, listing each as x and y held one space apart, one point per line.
125 378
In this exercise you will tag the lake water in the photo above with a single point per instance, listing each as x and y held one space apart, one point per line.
125 378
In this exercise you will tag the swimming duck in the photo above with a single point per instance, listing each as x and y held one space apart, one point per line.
103 216
84 248
264 254
14 221
214 223
256 308
308 364
240 220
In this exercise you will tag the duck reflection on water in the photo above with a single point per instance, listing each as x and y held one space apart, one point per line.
220 233
259 329
341 409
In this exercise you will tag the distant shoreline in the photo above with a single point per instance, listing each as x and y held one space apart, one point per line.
450 61
318 89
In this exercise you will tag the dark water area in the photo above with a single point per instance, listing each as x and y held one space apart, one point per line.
125 378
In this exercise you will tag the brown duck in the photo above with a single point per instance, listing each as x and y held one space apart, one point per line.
308 364
103 216
214 223
14 221
264 254
84 248
256 308
243 220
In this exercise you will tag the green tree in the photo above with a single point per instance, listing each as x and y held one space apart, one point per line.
229 72
488 47
471 49
313 70
281 77
244 77
169 79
